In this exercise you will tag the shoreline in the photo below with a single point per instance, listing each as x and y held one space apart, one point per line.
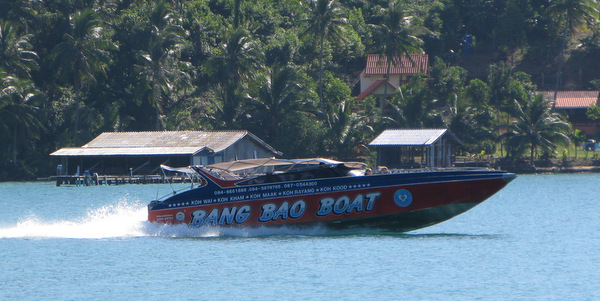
519 170
556 170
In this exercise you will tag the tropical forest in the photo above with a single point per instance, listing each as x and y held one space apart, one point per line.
287 71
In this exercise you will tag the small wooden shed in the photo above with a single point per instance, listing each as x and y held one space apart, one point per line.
118 153
415 148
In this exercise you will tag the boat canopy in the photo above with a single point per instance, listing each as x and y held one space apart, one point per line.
185 170
234 166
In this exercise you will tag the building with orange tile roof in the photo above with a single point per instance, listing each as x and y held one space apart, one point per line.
575 105
373 76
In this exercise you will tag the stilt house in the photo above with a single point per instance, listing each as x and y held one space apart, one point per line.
119 153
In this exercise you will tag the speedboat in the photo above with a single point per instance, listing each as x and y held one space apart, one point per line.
325 193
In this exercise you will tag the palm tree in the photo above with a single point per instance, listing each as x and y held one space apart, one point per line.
327 22
239 58
82 55
412 107
445 84
476 130
505 87
159 64
537 126
396 34
16 54
18 113
348 130
21 11
475 122
571 15
234 67
279 95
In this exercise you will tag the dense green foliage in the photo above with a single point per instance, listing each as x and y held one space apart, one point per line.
71 69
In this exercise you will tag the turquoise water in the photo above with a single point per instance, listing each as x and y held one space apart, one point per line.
538 239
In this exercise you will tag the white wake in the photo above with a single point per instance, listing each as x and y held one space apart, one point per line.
121 220
130 220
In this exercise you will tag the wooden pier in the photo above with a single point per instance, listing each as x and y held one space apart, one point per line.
117 180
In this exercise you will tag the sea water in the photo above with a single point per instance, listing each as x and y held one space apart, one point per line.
538 239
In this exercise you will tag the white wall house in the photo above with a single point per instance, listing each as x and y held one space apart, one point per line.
372 77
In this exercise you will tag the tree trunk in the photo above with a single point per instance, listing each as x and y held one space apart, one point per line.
156 98
15 146
77 86
385 85
321 71
236 14
563 47
532 156
76 126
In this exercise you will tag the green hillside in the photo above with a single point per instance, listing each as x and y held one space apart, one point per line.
71 69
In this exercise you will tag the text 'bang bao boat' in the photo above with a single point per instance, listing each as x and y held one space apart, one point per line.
322 192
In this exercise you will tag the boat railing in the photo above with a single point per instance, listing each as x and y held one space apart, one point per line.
194 178
434 169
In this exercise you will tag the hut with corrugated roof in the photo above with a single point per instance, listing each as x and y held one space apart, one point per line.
415 148
120 153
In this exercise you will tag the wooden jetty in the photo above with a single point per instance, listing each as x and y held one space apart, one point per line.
89 180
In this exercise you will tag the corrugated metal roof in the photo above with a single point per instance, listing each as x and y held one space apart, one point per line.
410 137
125 151
402 65
159 143
572 99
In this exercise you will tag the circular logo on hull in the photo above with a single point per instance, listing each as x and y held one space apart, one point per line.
403 198
180 216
